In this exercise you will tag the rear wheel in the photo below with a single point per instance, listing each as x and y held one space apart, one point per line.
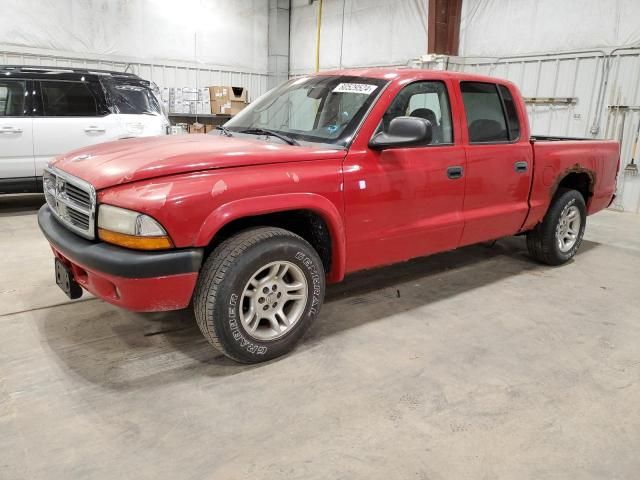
258 292
557 239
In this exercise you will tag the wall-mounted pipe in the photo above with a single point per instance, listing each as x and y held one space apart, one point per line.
318 28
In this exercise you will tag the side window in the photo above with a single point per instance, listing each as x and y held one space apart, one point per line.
512 113
68 99
13 98
485 117
428 100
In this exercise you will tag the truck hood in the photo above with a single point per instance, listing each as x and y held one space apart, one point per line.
131 160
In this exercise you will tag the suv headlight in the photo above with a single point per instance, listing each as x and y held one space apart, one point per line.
131 229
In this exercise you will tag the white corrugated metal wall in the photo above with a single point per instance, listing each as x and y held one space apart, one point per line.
165 74
192 43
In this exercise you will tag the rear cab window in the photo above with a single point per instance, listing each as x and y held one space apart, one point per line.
512 113
491 113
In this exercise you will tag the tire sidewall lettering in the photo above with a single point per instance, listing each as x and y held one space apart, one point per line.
233 318
308 263
313 306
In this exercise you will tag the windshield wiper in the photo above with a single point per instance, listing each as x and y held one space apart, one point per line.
273 133
225 131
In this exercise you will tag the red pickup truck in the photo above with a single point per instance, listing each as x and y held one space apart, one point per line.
325 175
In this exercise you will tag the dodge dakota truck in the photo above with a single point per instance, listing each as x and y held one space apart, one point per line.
325 175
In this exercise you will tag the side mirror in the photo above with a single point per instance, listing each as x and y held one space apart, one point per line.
404 132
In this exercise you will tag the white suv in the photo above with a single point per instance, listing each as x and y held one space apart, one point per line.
48 111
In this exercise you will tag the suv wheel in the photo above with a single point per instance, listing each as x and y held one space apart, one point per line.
258 292
557 239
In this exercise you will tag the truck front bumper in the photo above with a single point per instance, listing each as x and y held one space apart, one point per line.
135 280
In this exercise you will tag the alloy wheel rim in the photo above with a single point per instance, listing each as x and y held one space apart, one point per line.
568 228
273 300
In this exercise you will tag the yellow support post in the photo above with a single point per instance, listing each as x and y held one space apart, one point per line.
318 35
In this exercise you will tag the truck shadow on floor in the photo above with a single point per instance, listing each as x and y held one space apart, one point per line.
120 350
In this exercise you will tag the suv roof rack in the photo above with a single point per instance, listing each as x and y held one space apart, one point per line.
85 71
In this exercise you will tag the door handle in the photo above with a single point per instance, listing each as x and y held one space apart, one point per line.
94 129
454 172
10 130
520 167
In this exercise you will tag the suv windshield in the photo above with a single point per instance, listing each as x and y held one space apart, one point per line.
320 109
132 98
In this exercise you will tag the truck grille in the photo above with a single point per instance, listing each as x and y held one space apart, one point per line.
73 201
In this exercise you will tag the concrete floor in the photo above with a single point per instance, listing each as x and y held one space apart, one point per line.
472 364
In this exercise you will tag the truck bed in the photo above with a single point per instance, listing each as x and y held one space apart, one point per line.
557 157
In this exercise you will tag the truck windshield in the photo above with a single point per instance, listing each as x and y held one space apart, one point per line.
321 109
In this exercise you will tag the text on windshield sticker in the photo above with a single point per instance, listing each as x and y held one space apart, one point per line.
363 88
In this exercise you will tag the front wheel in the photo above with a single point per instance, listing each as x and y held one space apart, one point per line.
557 239
258 292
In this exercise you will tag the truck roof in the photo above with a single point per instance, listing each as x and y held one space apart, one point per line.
399 73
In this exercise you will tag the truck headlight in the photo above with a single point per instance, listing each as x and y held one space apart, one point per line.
130 229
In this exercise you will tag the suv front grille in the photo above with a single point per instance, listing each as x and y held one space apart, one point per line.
73 201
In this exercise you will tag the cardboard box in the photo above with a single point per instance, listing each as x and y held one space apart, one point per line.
231 108
190 94
203 94
208 128
196 128
175 107
237 94
175 94
227 100
217 93
179 129
203 107
218 96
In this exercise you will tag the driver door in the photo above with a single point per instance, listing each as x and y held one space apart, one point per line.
402 203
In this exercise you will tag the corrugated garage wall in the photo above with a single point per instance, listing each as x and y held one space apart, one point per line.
164 74
192 43
357 33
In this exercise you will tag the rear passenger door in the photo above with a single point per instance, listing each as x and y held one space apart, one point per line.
499 163
70 115
16 141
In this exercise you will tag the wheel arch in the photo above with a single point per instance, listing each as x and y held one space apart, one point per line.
312 216
579 179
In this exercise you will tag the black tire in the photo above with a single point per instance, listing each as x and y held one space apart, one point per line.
224 276
541 241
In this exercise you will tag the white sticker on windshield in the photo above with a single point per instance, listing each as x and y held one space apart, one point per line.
364 88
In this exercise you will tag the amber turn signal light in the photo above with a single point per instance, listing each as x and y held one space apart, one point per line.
136 242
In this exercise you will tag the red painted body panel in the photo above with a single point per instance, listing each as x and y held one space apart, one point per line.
380 207
555 160
135 159
138 294
399 203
